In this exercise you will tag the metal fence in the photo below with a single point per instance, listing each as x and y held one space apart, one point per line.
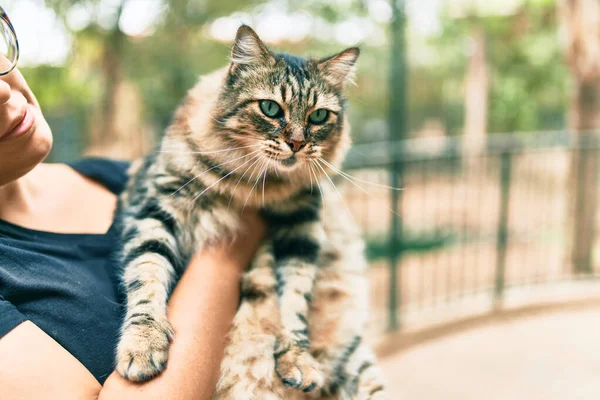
475 225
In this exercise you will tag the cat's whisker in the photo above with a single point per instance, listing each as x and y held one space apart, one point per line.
224 176
365 191
218 121
258 175
265 178
253 186
254 163
316 179
263 169
251 176
210 169
208 152
348 176
338 192
275 168
311 181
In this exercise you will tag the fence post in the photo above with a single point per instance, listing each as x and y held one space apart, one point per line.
397 132
502 235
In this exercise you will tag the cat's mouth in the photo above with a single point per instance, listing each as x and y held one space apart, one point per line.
291 160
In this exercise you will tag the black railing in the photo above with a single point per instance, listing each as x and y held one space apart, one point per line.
473 223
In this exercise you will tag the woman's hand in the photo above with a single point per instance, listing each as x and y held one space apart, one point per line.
243 247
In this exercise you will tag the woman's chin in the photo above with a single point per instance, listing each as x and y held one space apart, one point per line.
32 148
40 141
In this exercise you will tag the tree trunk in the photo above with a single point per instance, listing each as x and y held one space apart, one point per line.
585 117
111 66
580 30
103 129
476 94
118 129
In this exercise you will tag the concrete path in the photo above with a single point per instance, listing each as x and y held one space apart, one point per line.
545 357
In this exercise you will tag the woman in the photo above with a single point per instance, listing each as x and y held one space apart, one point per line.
59 295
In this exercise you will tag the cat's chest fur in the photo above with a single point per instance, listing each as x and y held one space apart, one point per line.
217 217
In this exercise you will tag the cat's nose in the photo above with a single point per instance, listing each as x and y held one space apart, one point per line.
296 145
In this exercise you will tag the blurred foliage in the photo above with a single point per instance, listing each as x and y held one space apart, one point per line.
528 91
529 80
379 247
66 99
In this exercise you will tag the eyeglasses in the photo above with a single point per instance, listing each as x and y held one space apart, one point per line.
9 45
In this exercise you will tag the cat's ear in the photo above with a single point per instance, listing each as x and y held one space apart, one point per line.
340 69
248 49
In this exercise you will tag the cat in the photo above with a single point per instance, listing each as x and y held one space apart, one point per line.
261 132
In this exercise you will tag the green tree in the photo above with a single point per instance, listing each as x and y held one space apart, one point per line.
528 89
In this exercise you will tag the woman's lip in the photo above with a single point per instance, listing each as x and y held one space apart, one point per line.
23 126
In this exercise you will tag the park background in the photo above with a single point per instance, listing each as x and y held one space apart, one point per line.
486 113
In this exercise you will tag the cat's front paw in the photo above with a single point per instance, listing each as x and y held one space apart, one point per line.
144 349
297 368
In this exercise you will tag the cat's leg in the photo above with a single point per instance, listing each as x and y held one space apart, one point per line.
296 252
248 367
357 376
247 370
294 363
338 321
151 261
340 309
366 379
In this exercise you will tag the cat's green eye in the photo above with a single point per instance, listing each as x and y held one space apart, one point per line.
270 109
319 116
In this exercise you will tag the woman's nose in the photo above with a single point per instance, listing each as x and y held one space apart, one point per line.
4 92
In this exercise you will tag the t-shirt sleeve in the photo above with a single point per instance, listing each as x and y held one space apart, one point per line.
111 173
10 317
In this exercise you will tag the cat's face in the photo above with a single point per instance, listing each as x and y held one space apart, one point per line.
288 109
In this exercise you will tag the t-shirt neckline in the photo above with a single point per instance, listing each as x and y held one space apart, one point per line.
18 230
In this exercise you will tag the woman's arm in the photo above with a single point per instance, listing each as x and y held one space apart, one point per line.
34 366
201 310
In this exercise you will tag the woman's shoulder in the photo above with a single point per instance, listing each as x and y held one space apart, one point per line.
111 173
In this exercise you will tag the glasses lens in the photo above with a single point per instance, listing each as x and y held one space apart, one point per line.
8 47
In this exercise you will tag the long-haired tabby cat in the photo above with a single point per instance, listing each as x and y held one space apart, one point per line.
263 132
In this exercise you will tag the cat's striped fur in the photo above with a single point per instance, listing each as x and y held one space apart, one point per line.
300 324
336 322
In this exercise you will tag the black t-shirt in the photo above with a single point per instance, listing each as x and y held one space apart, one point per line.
66 284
